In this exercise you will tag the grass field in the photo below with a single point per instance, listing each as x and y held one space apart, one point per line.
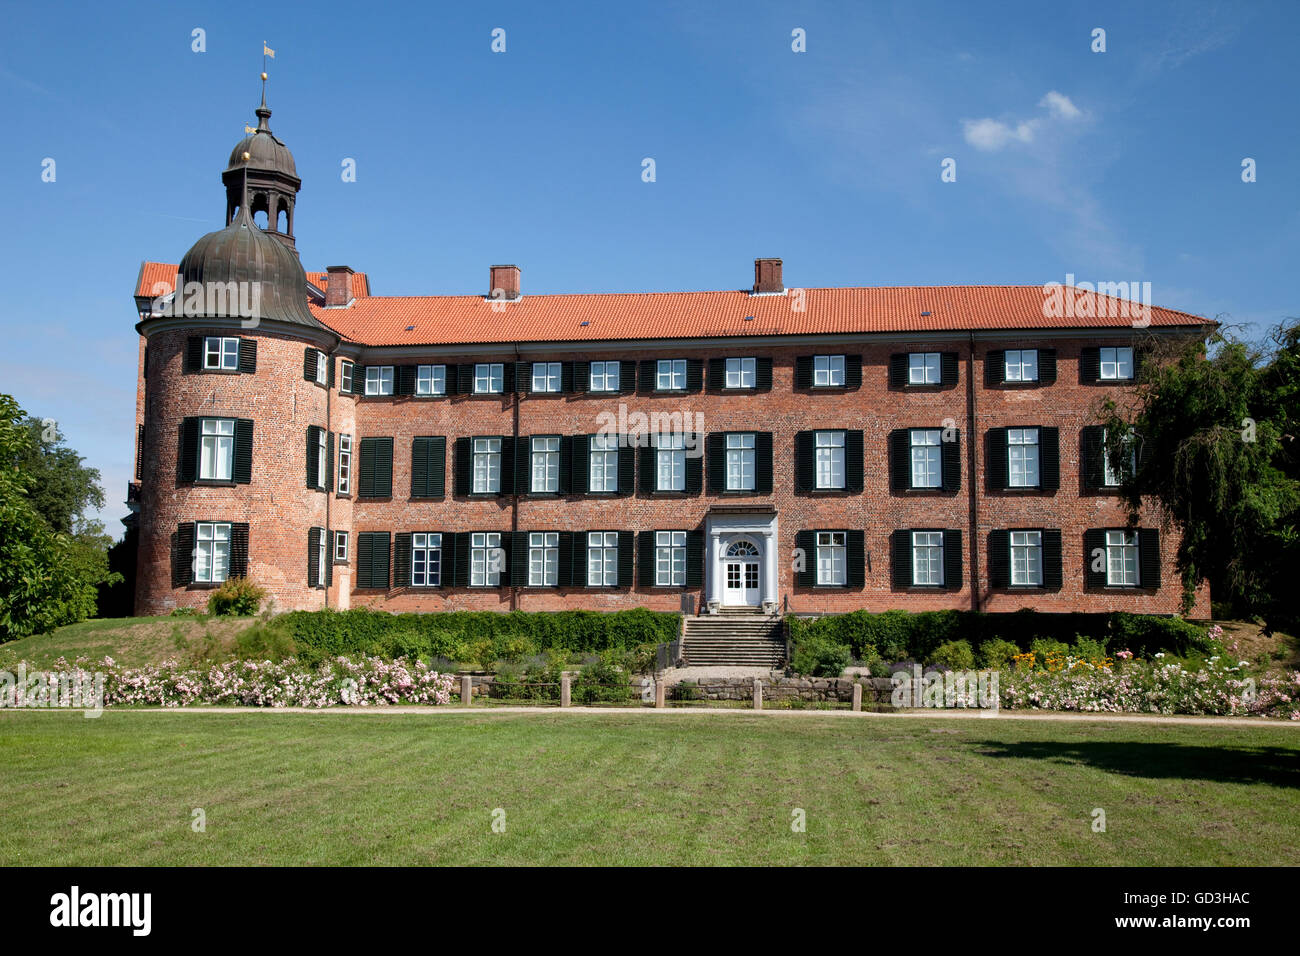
640 789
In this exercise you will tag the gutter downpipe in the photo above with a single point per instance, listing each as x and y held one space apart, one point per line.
972 441
514 482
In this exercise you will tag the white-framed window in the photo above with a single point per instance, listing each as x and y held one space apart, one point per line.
486 466
1116 363
1027 559
927 558
602 559
546 376
322 555
545 465
431 380
829 450
322 458
828 370
543 559
485 559
345 376
923 368
345 464
831 558
741 373
670 461
604 377
1022 457
740 461
216 449
602 472
322 368
927 457
221 353
426 560
1122 558
489 378
670 559
379 380
211 552
1022 365
340 547
671 375
1110 477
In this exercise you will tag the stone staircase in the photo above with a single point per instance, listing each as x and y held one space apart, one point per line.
733 639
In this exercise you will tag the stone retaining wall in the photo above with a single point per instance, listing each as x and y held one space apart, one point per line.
875 690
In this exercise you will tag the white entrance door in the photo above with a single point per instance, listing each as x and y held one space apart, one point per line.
741 575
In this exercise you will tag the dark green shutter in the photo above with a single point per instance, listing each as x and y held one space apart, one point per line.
313 457
898 372
314 575
405 379
806 543
402 560
379 560
1148 558
428 464
1094 443
763 374
995 367
716 454
383 467
461 460
647 375
1046 366
717 380
1051 538
952 560
239 549
358 379
856 553
996 468
853 463
695 559
582 376
565 477
694 483
852 372
194 354
1049 448
649 473
578 562
516 462
187 469
626 377
805 461
329 461
419 472
566 377
803 371
625 547
762 463
950 455
1094 540
900 462
248 356
508 380
947 369
1000 559
564 577
183 555
309 364
515 545
464 378
645 558
524 377
580 464
461 561
626 466
1089 365
694 375
362 559
901 548
242 467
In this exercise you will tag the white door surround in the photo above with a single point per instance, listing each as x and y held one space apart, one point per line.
740 574
741 560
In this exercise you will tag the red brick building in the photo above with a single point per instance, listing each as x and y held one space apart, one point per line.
801 449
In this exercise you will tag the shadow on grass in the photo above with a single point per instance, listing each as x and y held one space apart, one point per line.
1276 766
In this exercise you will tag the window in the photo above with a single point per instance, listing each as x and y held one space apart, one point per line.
487 466
927 558
345 374
671 375
670 458
830 459
322 368
543 559
1122 559
340 547
426 560
485 559
216 449
489 378
670 559
1022 365
1116 364
740 462
379 380
602 559
221 353
927 458
322 578
321 460
604 377
1027 559
831 552
431 380
345 464
828 370
211 552
740 373
603 466
545 465
923 368
1022 457
1110 477
546 376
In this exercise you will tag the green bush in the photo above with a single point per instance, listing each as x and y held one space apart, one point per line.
1088 648
998 654
601 681
238 596
820 656
1045 647
953 656
265 641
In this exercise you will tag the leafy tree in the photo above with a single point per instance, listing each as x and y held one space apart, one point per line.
60 487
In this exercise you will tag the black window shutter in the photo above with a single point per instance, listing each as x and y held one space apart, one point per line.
996 469
995 367
248 356
402 561
363 559
461 464
461 560
566 377
329 559
582 376
580 470
762 463
853 461
694 470
194 353
625 549
805 461
900 459
1089 365
717 374
856 565
645 558
465 379
1094 555
694 375
948 369
901 546
649 473
379 560
508 380
514 465
1094 443
436 474
239 549
578 563
524 376
241 471
313 557
329 461
564 480
447 555
366 474
139 452
189 458
626 377
806 543
695 559
715 452
564 560
419 468
950 453
329 381
1049 444
1000 559
183 555
852 372
515 544
763 374
313 451
1046 366
1051 538
952 559
309 364
358 379
405 379
1149 558
898 370
383 467
648 375
803 371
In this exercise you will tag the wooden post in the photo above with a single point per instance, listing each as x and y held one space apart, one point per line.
659 694
758 694
564 691
466 689
857 696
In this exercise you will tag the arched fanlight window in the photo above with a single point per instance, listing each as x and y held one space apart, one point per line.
742 549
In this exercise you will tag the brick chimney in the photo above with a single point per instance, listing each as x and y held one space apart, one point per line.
767 276
338 288
505 278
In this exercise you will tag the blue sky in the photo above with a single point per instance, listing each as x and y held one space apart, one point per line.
1122 165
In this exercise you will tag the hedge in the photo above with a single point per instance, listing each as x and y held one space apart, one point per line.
907 635
474 635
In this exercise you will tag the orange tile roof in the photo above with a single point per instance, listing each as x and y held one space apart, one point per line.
470 319
360 282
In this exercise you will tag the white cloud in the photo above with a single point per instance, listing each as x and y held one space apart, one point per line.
1060 105
991 135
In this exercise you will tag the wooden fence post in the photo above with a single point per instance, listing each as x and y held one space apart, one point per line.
466 689
564 691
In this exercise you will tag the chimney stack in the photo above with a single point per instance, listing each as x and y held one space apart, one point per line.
505 279
767 276
338 287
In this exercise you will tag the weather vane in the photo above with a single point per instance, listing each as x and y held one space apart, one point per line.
266 51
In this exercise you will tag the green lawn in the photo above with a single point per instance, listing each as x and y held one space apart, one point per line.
640 789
